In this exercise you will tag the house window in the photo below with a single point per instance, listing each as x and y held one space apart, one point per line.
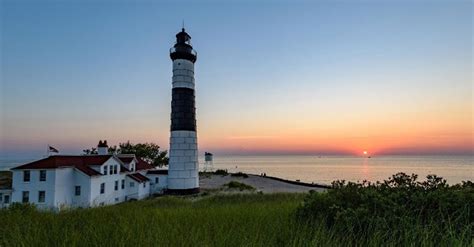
144 185
157 180
6 199
116 199
77 190
132 184
105 170
41 196
25 197
1 197
26 176
116 185
42 175
123 184
115 169
102 188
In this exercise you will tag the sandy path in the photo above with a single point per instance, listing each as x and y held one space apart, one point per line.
266 185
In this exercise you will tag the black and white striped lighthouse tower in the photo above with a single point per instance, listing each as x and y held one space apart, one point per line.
183 170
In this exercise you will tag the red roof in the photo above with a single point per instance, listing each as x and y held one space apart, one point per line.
126 160
80 162
138 177
143 165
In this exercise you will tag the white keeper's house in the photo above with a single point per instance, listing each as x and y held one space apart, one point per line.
91 180
62 181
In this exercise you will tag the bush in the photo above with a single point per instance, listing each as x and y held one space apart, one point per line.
398 209
239 186
221 172
22 208
240 174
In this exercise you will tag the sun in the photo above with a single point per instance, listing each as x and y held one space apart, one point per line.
365 152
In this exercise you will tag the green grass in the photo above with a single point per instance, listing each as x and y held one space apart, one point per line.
231 220
395 214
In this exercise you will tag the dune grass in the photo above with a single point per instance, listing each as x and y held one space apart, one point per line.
348 215
231 220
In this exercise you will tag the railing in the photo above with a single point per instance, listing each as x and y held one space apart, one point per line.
181 49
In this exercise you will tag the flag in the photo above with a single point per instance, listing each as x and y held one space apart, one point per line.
53 150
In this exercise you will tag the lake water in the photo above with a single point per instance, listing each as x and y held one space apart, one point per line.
324 170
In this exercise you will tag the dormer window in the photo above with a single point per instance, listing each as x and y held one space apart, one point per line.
105 170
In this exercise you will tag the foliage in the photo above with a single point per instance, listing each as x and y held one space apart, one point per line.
149 152
238 185
400 210
240 174
90 151
221 172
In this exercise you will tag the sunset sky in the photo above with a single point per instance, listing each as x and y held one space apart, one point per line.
303 77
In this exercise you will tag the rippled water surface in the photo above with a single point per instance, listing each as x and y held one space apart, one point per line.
327 169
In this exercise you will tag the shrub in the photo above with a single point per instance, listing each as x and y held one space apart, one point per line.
399 208
221 172
240 174
239 186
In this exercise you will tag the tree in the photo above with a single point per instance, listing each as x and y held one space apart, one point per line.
90 151
149 152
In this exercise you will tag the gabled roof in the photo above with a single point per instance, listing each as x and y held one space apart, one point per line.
157 172
143 165
80 162
126 160
124 169
138 177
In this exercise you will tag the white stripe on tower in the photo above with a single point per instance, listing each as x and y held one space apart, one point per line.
183 73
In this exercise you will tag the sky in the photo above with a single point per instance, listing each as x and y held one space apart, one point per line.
272 77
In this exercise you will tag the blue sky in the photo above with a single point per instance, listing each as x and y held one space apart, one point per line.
74 72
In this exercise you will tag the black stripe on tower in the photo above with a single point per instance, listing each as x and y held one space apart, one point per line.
183 110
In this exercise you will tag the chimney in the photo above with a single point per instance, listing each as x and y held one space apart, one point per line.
102 148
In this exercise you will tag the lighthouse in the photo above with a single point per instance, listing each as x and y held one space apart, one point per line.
183 170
